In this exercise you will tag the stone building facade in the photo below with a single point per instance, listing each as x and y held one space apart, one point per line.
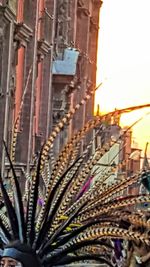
48 53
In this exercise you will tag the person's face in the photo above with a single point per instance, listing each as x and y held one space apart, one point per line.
9 262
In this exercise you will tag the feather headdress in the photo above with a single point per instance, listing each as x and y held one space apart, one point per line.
72 224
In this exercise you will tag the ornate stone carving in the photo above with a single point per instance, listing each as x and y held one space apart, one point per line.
62 26
82 9
93 24
23 32
98 3
43 47
61 103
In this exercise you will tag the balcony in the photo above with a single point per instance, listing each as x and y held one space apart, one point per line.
66 66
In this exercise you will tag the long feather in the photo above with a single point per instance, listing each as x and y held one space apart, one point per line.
4 233
71 176
96 234
46 225
105 193
59 127
81 178
80 258
10 210
72 234
99 211
17 121
69 147
65 251
32 203
18 200
5 219
49 197
60 229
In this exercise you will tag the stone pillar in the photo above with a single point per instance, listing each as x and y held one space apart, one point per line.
6 76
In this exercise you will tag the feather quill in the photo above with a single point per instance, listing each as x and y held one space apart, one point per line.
32 202
10 211
18 200
46 224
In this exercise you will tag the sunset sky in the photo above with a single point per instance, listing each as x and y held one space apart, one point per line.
124 62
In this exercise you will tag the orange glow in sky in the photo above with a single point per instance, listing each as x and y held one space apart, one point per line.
124 62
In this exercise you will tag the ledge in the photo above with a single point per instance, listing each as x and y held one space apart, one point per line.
23 32
7 13
43 47
62 79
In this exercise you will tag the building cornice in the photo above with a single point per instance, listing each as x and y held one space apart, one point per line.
62 79
43 47
23 32
7 13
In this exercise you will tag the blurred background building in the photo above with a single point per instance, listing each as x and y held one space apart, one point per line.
48 52
121 161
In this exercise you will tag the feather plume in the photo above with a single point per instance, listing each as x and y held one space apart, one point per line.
32 202
18 200
4 232
73 224
10 210
46 224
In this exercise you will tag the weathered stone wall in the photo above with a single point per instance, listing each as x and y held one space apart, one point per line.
68 23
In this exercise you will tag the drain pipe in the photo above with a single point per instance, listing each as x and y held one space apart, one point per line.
49 116
5 133
34 71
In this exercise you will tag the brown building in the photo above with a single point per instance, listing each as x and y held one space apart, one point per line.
131 155
127 157
130 161
48 53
